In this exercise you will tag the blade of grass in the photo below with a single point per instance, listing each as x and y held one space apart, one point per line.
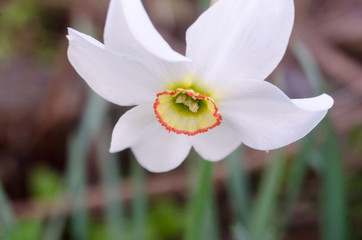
265 204
333 201
238 186
7 219
91 121
77 189
309 66
210 225
139 205
297 174
110 180
55 226
204 4
199 202
240 232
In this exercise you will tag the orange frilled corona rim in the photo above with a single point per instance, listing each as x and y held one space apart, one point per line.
186 112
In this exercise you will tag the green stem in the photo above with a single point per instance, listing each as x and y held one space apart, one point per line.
238 186
265 204
199 202
295 181
91 122
333 201
7 219
111 185
139 205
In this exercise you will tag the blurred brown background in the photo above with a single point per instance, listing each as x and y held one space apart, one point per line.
42 97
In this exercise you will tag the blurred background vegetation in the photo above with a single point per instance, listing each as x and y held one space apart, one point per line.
58 181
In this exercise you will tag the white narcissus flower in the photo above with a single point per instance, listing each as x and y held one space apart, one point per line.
212 99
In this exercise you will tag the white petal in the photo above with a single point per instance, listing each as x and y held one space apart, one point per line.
132 127
123 80
155 148
266 118
244 36
128 26
216 143
309 104
161 151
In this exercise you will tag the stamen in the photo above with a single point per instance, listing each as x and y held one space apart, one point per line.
181 98
193 106
189 101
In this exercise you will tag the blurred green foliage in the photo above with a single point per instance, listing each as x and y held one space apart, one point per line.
98 230
29 229
45 184
27 27
165 220
355 141
14 17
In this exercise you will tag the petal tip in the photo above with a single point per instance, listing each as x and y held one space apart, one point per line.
71 34
71 31
322 102
328 100
113 146
112 150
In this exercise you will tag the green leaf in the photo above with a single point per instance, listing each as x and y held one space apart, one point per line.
265 204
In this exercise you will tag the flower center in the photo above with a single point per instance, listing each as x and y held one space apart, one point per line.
189 101
185 111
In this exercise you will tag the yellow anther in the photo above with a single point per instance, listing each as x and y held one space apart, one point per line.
181 98
188 101
194 107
